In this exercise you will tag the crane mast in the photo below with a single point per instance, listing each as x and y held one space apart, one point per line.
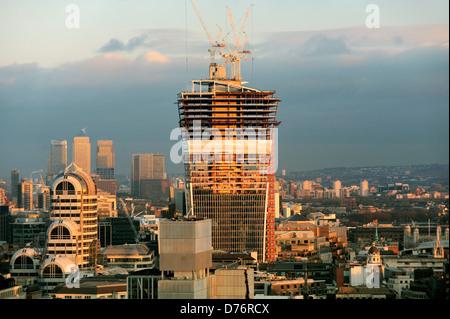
233 54
214 44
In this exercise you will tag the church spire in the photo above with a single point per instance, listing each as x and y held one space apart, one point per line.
438 251
377 241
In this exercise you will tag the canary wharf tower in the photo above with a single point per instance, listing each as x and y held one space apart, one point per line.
229 154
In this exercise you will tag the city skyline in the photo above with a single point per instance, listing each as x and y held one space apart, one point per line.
352 96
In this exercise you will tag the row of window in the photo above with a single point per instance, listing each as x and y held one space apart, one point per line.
77 207
65 200
89 297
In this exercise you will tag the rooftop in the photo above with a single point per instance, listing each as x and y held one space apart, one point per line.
298 218
94 287
135 250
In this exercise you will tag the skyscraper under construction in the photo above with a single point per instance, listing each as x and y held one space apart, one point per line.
229 155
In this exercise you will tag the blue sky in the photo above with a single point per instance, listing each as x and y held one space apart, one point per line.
351 96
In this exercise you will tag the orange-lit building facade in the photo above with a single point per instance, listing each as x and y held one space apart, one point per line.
229 157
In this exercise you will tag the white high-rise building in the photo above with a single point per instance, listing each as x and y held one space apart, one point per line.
337 188
364 188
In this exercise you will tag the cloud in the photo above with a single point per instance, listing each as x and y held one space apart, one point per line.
114 45
153 57
320 44
107 69
385 93
352 41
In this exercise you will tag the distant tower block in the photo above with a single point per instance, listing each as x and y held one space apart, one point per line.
81 153
105 159
58 156
337 188
364 188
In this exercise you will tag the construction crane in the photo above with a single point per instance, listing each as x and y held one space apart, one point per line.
7 201
136 234
234 54
40 174
214 43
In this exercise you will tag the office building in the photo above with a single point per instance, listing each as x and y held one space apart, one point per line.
5 221
26 230
364 188
180 201
228 133
106 206
25 194
109 186
73 233
131 257
24 266
104 233
122 230
57 161
2 196
105 159
14 184
81 153
185 259
148 176
337 189
154 188
72 237
43 198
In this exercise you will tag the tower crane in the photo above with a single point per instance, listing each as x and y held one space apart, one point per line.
40 174
214 44
234 55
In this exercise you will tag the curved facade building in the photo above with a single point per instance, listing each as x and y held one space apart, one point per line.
54 271
25 266
73 233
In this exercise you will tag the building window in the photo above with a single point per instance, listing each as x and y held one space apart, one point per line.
53 271
65 188
23 262
60 232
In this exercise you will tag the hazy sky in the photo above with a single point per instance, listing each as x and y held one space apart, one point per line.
350 95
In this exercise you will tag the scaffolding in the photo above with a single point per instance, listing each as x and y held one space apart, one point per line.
229 170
